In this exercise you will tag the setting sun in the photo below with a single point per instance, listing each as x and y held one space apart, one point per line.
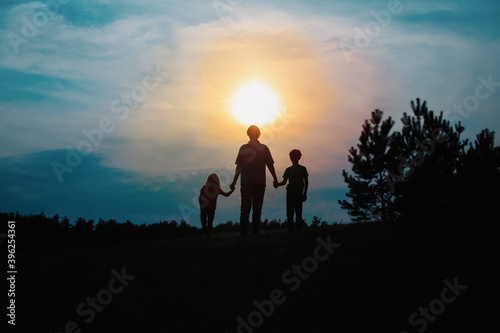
255 103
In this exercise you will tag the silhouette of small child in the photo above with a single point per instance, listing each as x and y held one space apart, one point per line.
208 202
296 191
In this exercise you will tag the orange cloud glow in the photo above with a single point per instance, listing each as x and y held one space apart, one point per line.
282 61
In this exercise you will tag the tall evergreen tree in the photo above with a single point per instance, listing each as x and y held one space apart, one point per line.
372 200
428 153
479 176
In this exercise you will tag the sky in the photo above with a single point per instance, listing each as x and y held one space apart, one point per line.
121 109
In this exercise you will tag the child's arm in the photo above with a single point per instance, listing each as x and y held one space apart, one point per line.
306 185
283 182
226 194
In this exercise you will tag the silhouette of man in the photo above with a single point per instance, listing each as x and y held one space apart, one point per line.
251 163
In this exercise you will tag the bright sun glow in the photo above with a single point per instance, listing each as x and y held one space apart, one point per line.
255 104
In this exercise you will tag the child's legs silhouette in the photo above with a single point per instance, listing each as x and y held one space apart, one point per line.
203 217
289 210
210 221
294 206
298 213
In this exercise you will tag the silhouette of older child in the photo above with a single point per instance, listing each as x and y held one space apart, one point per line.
208 202
296 191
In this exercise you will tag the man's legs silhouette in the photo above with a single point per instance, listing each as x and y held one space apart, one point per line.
258 191
246 204
252 198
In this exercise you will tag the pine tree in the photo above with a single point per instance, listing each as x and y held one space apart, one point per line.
479 176
372 199
428 151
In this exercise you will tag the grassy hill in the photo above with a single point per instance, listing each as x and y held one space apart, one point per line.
379 276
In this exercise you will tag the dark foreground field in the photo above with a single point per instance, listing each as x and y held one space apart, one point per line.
442 275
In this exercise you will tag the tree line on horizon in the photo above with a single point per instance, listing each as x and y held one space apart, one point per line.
40 231
423 170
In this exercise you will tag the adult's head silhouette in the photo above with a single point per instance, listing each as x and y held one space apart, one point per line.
253 132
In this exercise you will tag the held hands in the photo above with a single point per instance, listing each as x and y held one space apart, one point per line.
232 186
275 184
227 194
